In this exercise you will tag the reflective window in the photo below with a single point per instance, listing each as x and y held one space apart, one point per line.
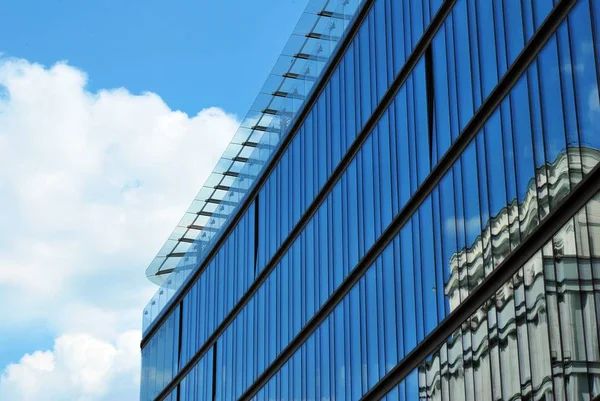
215 293
475 47
537 336
160 358
347 102
405 390
197 385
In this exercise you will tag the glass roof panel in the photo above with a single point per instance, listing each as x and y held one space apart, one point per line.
283 94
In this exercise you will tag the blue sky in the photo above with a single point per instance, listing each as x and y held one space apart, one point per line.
90 93
194 54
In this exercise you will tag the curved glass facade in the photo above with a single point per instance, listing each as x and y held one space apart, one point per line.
447 139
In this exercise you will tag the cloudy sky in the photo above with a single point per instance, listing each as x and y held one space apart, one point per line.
111 116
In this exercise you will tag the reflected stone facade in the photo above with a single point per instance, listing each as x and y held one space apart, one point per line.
537 337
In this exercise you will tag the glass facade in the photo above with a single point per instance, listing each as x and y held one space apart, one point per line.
536 337
442 141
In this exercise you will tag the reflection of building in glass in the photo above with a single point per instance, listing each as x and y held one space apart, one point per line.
537 336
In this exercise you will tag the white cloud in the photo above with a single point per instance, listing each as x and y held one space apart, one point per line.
472 225
91 184
80 367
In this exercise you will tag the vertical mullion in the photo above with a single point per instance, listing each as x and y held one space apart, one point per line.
430 87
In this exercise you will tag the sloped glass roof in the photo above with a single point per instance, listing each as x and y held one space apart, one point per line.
311 45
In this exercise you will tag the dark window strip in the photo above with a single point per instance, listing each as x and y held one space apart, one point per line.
214 373
256 233
430 98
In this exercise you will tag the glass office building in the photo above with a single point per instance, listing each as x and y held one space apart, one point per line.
410 211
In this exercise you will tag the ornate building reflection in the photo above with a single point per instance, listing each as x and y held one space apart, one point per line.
537 338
